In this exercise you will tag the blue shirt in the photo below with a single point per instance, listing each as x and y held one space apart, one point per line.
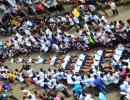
6 85
77 88
101 96
92 1
99 82
83 11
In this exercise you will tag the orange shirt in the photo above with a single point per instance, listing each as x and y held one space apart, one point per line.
14 22
1 88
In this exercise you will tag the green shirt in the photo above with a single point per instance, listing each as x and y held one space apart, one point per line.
51 98
90 39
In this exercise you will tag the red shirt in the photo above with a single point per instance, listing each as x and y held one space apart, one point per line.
40 96
128 21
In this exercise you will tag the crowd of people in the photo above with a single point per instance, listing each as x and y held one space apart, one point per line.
24 8
61 79
51 34
57 80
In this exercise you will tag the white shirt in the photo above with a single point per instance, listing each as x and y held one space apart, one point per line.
81 97
49 33
71 21
76 20
41 75
92 8
27 32
44 48
32 38
82 1
115 80
58 75
4 75
40 82
35 79
88 97
30 72
63 65
91 81
59 37
29 23
52 83
105 80
86 18
125 87
94 17
3 69
112 5
52 20
86 27
54 75
55 47
58 30
50 73
21 79
40 60
69 79
63 19
87 82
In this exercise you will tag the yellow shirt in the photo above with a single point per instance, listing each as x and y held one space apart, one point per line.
129 65
8 44
78 8
75 13
1 88
12 76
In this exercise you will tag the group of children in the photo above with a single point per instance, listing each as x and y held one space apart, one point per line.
50 33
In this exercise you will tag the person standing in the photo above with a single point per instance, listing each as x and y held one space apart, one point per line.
62 88
99 83
100 6
113 7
